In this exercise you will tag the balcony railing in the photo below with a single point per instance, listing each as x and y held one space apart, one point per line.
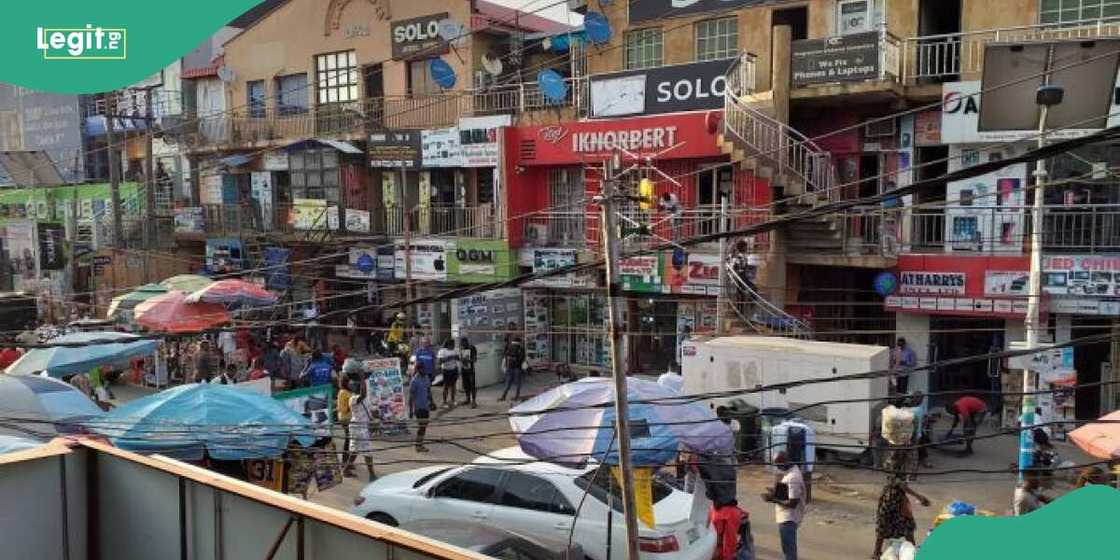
446 221
1006 230
264 124
961 55
582 229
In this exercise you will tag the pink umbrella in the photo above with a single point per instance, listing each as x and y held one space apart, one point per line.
1100 439
233 291
171 313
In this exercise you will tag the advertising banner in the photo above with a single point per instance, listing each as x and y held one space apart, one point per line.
845 58
640 274
484 317
276 274
418 37
314 403
694 86
397 148
224 255
428 259
924 282
698 274
478 140
544 260
19 240
986 213
311 213
678 136
440 148
275 161
190 220
385 385
52 246
260 185
960 119
480 260
1006 283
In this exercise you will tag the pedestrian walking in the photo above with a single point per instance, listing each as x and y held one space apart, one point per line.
419 398
448 358
894 517
363 413
319 370
969 411
514 363
789 508
227 345
293 359
468 356
342 405
396 333
903 360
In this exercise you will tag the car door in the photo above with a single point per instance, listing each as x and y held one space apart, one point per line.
532 505
467 495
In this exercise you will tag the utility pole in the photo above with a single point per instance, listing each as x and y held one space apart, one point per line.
114 168
150 231
722 267
614 315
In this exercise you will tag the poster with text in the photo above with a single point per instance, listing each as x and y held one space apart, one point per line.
427 259
314 403
385 386
478 140
986 213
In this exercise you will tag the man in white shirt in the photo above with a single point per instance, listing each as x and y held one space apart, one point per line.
227 344
789 504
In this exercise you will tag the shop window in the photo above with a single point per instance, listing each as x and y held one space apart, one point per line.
717 38
314 174
419 78
1068 11
291 94
579 330
336 76
644 48
255 98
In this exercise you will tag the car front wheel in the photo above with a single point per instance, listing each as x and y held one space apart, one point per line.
383 518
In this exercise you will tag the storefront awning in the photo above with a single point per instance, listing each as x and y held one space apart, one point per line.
344 147
236 160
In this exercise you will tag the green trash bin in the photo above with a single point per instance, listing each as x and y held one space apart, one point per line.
747 440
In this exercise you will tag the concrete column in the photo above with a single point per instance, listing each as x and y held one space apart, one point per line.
772 269
780 72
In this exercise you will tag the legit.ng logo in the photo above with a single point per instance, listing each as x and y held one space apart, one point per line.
88 43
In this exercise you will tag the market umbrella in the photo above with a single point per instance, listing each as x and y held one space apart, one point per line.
92 351
125 303
186 282
42 407
11 444
1100 439
227 422
575 421
171 313
233 291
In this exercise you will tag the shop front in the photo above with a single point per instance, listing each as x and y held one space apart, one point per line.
564 315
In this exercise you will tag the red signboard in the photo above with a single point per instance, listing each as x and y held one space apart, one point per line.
955 285
673 136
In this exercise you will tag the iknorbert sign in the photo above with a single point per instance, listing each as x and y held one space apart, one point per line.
665 89
922 282
418 36
845 58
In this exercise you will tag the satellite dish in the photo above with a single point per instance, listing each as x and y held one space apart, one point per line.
492 64
553 86
558 43
597 27
442 73
450 30
225 74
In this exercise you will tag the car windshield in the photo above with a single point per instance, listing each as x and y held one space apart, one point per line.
600 483
424 479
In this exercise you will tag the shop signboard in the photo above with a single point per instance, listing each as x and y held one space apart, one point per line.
394 149
1081 275
52 250
385 386
427 257
357 220
951 305
1053 365
549 259
695 86
312 213
418 37
697 274
640 274
844 58
275 161
933 283
368 263
647 10
478 140
960 119
487 316
1002 283
480 260
190 220
224 255
440 148
986 213
678 136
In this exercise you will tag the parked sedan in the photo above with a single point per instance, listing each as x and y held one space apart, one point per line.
541 500
495 542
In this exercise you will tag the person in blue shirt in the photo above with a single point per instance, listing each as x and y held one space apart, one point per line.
420 400
319 370
425 357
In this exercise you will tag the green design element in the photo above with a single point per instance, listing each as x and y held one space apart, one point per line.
490 255
1077 525
150 35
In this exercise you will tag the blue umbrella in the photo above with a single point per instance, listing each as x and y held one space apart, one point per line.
60 361
42 407
11 444
575 422
227 422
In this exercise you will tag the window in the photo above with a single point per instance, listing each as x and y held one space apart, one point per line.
599 490
291 94
337 77
717 38
1066 11
529 492
256 102
475 485
643 48
314 174
420 78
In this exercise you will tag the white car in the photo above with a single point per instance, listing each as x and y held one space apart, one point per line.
540 499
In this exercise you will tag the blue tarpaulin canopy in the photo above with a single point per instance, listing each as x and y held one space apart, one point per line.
60 361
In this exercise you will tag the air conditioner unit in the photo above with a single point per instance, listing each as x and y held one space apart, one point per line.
879 129
536 233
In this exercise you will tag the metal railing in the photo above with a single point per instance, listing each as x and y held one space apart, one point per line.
952 55
446 221
1065 229
577 229
1081 229
762 136
759 314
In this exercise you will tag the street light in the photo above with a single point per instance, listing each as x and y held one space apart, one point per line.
1047 96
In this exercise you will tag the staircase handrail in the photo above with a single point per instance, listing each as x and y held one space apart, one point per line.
786 323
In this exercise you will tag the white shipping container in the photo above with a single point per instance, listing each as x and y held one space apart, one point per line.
730 365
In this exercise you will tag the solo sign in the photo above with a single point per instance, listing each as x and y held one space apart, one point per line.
418 37
696 86
922 282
